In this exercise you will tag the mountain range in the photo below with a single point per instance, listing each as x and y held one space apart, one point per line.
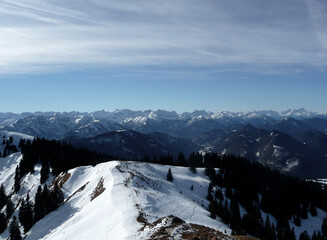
292 141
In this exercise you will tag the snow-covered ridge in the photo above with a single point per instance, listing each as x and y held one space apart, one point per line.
58 125
121 115
113 195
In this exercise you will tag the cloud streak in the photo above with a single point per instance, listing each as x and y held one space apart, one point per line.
255 35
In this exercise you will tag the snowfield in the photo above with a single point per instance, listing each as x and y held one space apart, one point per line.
119 200
113 200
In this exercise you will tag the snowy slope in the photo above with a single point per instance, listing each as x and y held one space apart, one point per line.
114 200
128 192
106 201
15 135
29 183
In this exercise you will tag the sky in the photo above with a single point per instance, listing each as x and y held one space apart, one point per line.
234 55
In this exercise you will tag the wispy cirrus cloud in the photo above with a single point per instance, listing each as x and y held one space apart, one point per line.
36 36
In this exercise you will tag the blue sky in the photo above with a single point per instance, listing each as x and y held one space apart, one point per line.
173 55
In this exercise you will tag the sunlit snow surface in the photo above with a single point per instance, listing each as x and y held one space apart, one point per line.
130 189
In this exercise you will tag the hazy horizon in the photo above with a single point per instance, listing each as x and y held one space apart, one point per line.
154 110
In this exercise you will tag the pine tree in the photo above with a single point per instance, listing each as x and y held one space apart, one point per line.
304 212
292 235
14 230
56 198
324 228
225 213
181 160
44 172
235 217
304 236
3 196
219 194
169 176
269 230
26 214
10 208
192 163
229 193
17 179
39 205
3 222
212 209
313 210
46 202
297 220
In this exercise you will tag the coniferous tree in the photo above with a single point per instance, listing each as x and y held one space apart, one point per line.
304 236
192 163
181 160
316 236
17 179
212 208
225 213
169 176
304 212
229 193
193 169
209 195
3 222
313 210
235 217
3 196
45 170
56 198
324 228
292 235
14 230
297 220
45 199
39 212
269 230
10 208
210 172
26 214
219 194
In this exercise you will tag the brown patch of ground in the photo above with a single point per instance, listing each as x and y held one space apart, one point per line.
172 226
118 167
141 218
98 190
199 232
60 180
78 190
127 180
